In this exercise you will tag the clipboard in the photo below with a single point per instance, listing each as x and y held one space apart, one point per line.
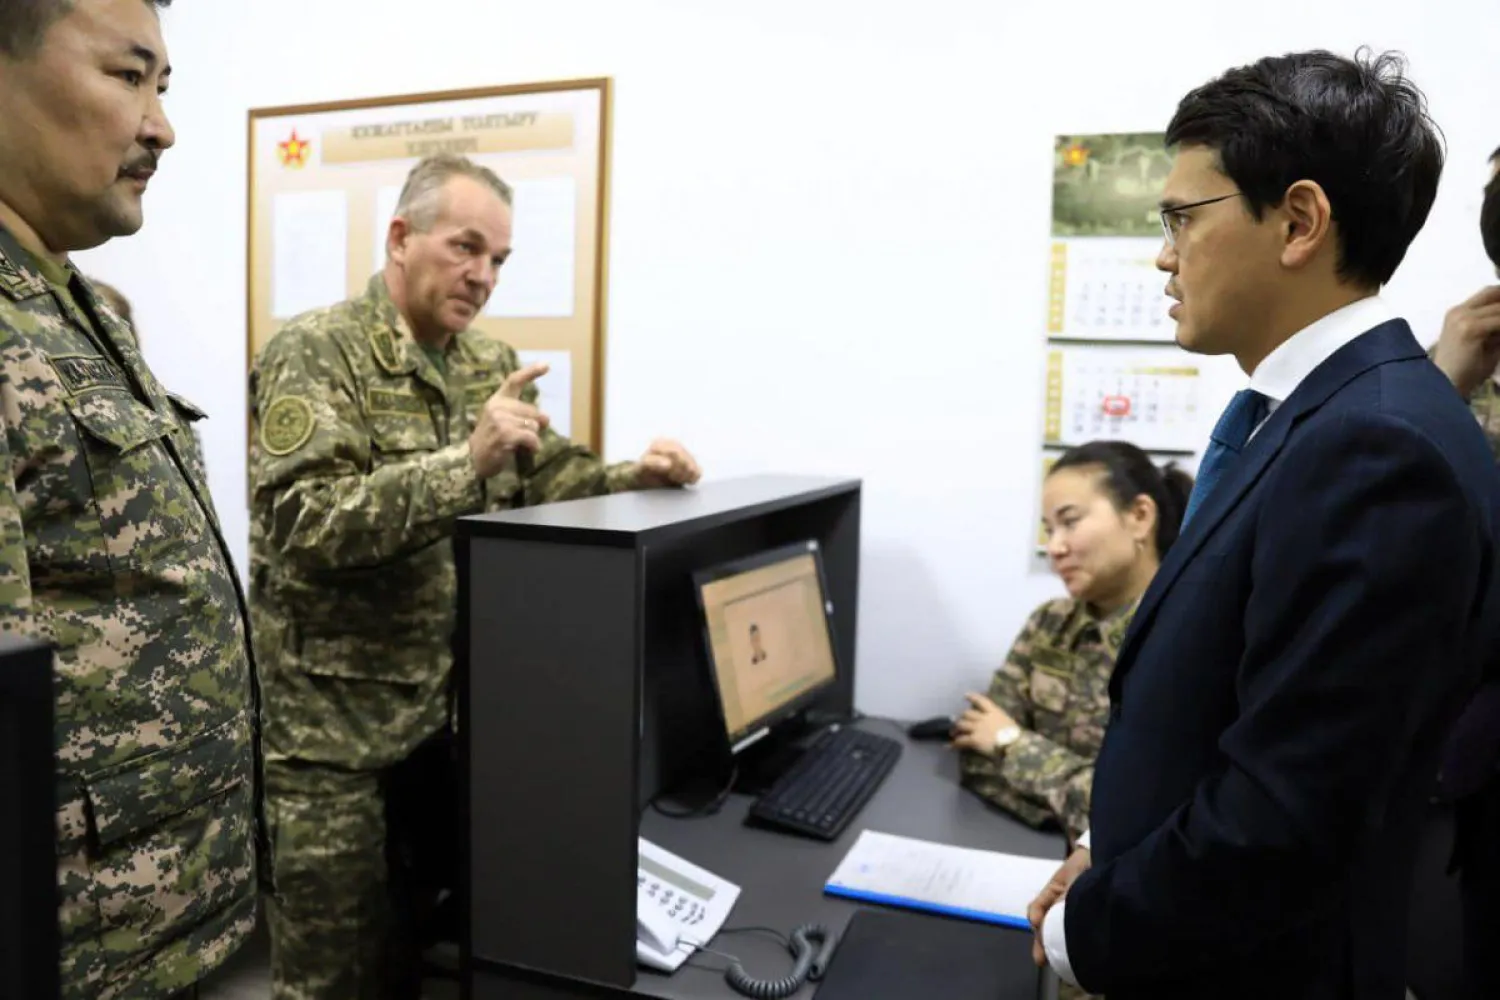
898 955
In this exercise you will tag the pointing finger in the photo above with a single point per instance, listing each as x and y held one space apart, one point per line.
516 381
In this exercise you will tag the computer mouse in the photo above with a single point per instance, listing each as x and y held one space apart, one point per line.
939 727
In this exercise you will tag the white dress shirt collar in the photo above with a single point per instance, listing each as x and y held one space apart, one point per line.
1278 376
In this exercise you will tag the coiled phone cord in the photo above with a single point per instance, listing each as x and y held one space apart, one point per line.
811 963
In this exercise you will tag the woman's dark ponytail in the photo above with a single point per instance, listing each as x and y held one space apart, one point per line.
1129 473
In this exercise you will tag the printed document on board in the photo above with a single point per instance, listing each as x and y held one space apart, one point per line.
986 886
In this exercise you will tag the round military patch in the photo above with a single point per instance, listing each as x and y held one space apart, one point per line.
287 425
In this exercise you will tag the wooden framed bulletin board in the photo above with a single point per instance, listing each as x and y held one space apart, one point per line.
324 181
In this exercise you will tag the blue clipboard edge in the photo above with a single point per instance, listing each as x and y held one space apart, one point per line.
1003 920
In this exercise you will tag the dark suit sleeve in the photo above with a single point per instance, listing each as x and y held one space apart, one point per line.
1365 573
1473 750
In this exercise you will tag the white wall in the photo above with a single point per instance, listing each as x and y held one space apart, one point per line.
845 203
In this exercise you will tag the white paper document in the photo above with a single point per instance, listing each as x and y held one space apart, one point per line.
554 389
986 886
310 240
538 279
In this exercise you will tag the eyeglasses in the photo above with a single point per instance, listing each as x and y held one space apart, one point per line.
1173 219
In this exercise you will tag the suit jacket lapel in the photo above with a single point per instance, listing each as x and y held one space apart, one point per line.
1226 496
1388 342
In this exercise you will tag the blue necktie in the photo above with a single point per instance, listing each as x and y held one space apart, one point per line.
1243 414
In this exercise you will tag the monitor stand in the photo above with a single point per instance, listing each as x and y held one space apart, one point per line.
759 765
753 770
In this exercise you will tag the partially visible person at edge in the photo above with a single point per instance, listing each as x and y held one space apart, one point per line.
1028 746
112 297
1468 352
377 422
110 549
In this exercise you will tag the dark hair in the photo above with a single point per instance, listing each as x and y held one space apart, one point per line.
1357 127
1489 216
1129 473
23 23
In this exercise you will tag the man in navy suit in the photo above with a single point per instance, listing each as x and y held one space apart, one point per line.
1279 703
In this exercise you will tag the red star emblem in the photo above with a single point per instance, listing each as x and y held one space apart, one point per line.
294 151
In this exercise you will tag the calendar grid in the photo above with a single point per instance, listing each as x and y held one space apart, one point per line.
1113 370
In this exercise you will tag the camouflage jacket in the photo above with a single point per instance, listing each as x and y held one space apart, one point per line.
1485 403
359 466
111 551
1055 684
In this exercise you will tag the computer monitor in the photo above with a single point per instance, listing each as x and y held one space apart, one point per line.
768 625
29 938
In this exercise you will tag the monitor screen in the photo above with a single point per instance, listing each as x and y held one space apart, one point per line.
770 641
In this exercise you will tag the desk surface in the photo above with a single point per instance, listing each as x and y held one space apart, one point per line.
781 876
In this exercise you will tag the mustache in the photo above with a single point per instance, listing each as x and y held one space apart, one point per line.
146 162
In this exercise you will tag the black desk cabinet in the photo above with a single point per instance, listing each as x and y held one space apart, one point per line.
583 691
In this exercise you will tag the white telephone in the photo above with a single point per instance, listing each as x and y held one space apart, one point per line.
679 906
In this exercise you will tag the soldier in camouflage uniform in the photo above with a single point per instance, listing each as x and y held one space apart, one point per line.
377 422
1468 349
116 301
1485 402
110 548
1029 745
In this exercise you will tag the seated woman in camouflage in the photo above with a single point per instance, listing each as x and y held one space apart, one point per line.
1029 746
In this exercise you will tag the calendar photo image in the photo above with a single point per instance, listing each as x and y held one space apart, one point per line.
1149 396
1108 289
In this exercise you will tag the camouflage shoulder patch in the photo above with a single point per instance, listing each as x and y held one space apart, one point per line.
287 425
383 345
17 281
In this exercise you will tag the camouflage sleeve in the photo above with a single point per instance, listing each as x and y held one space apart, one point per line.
310 452
566 470
1011 690
15 568
983 777
1035 767
1045 771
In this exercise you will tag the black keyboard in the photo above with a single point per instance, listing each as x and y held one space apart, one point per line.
832 780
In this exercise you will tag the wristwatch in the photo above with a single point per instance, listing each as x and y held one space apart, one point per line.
1005 737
